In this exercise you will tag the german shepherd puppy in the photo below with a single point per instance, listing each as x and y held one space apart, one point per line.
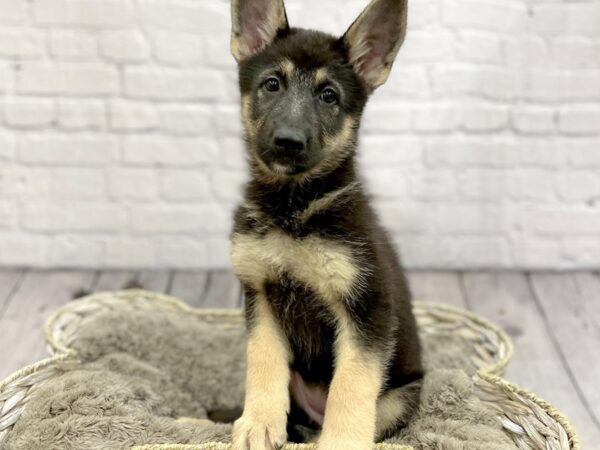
332 340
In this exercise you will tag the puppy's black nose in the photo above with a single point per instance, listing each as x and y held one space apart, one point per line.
290 139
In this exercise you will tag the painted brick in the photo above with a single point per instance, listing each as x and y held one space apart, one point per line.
436 118
29 113
194 17
81 115
554 85
124 46
480 47
88 217
489 83
47 79
484 118
227 185
386 118
386 183
583 153
579 120
183 254
184 185
574 52
579 186
7 147
74 251
72 45
432 185
474 219
6 76
178 219
483 251
22 249
499 16
15 43
582 251
404 218
8 214
58 149
566 221
179 48
169 151
382 151
13 12
472 151
128 252
168 84
91 13
532 252
533 120
140 184
532 185
187 119
121 138
132 116
484 184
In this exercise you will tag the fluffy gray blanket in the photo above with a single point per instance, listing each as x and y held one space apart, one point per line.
157 378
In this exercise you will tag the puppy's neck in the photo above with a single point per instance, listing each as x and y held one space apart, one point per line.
291 202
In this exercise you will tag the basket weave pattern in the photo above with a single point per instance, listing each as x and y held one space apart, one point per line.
532 423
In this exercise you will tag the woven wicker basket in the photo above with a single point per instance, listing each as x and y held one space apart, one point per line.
532 423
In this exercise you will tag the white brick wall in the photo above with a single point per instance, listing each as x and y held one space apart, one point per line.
120 138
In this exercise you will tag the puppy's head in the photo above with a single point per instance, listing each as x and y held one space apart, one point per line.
303 92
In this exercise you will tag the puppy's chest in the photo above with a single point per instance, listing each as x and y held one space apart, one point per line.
327 267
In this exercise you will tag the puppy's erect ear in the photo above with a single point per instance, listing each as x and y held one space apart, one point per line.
373 40
255 24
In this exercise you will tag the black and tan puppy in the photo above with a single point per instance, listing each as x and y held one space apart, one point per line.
332 341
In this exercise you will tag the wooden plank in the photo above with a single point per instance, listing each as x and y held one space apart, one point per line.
9 281
114 280
40 294
437 287
153 280
588 286
223 290
576 338
190 287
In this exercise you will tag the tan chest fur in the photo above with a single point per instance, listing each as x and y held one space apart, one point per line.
325 266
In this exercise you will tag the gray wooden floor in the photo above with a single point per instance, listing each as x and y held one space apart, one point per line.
553 318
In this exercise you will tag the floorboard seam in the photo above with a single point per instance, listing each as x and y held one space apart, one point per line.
13 292
560 353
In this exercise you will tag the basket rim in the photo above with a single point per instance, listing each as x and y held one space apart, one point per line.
505 342
64 354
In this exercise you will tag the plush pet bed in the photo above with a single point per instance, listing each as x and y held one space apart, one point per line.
135 369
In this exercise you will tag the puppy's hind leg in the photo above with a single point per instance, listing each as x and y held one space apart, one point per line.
395 407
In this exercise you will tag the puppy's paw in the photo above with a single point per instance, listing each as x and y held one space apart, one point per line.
259 433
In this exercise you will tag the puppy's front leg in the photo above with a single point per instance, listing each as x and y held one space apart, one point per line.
263 423
350 412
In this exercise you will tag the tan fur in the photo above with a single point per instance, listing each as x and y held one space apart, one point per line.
267 399
336 148
326 266
321 76
391 406
287 67
350 413
321 204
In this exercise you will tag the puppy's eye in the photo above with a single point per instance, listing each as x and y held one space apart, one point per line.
271 84
328 95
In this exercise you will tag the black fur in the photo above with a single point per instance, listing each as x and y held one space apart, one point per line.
381 309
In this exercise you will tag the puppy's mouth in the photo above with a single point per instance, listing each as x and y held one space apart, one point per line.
285 164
